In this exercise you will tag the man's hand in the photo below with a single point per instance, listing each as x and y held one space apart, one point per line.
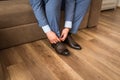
64 34
52 37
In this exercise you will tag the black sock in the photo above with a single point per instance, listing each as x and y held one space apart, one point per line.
69 33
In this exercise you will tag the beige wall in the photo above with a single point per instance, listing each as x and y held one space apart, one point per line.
119 3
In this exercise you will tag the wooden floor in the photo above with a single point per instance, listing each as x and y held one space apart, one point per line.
98 60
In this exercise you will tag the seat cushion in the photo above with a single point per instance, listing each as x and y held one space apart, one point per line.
13 13
20 34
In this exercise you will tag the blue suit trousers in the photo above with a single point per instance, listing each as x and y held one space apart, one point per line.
47 12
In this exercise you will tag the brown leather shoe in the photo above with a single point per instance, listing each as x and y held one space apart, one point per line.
61 49
69 40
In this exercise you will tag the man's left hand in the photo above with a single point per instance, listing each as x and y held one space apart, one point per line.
64 34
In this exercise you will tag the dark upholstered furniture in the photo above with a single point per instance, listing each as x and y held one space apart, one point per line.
18 24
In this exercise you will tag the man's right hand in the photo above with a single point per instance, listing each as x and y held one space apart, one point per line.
52 37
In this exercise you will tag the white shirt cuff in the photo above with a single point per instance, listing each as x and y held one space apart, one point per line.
68 24
46 28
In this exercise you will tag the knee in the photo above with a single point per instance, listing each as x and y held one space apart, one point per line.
53 5
84 1
87 1
54 9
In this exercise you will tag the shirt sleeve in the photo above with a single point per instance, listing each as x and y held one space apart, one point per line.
46 28
68 24
37 6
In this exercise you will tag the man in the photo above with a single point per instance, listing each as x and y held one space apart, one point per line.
47 13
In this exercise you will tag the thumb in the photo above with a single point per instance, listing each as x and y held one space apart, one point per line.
62 35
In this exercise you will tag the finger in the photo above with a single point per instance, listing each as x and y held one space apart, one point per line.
64 37
58 40
54 42
51 42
